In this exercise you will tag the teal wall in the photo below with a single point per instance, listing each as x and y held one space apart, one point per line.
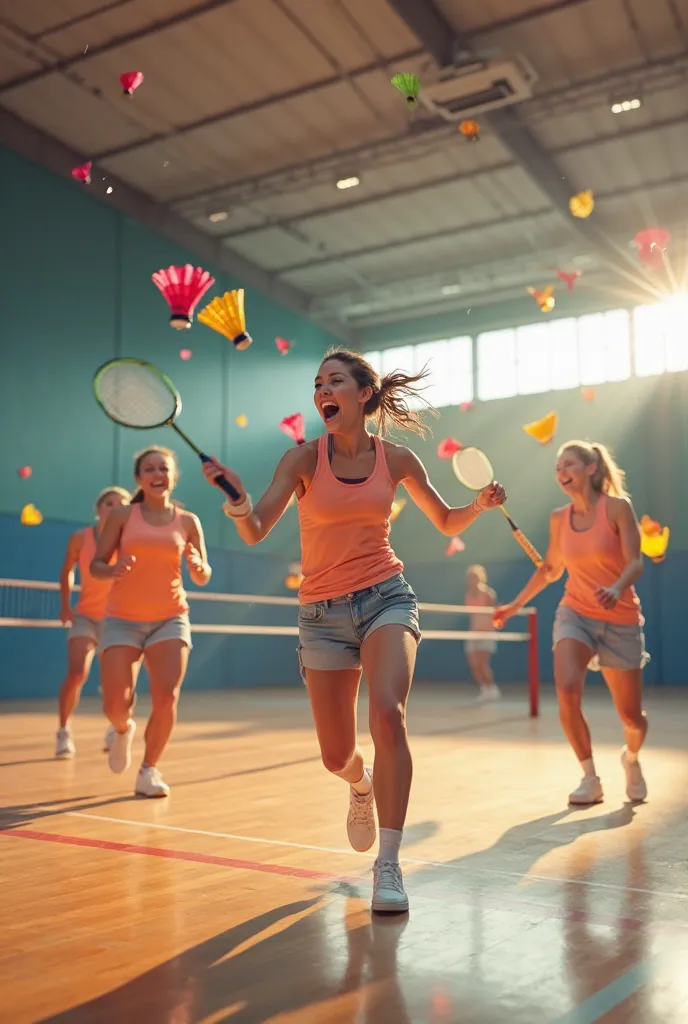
77 291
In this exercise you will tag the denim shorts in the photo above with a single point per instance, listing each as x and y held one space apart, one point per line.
331 632
83 626
612 646
123 633
475 646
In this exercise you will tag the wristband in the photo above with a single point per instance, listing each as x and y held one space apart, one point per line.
477 507
240 511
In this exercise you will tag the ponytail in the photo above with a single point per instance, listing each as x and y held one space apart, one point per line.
608 477
388 405
137 497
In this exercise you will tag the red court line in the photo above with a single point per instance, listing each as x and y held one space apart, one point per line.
431 890
188 855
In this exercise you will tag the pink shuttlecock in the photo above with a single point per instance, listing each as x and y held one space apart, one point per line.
569 277
652 244
454 545
283 345
25 472
446 448
466 406
182 287
294 427
185 354
130 81
83 172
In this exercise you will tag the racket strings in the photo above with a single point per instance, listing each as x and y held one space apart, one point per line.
133 395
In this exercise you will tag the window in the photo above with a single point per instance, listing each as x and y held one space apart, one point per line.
661 337
450 365
554 355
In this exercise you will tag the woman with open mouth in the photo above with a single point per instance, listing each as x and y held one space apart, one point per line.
356 611
599 624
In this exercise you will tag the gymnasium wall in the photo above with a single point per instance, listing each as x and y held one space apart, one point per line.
77 292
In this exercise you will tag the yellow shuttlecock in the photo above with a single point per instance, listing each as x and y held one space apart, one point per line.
654 539
30 516
241 420
225 314
582 204
543 430
397 508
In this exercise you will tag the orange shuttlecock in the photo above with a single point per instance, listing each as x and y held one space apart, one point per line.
446 448
454 546
470 130
543 430
588 394
398 506
544 298
225 314
30 516
295 576
582 204
241 420
654 539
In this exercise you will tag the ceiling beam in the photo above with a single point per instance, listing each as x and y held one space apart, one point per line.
44 149
116 43
273 99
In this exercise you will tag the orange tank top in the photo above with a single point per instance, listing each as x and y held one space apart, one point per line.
153 588
593 558
345 530
94 593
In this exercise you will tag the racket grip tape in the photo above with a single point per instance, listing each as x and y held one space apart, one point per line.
223 483
532 553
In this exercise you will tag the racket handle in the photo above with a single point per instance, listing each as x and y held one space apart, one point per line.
521 539
222 482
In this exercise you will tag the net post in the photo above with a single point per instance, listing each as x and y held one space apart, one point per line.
533 664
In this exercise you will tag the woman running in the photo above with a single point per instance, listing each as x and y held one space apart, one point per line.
479 652
356 609
86 621
147 611
598 624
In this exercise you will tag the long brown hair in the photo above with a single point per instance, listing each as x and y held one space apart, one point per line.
388 405
608 477
155 449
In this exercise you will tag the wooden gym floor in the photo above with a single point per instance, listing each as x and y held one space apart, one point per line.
239 900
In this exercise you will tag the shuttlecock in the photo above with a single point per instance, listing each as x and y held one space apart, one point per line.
283 345
225 314
241 420
543 430
409 87
25 472
470 130
83 172
654 539
182 287
652 244
30 516
185 354
544 298
569 277
294 427
582 204
446 448
455 545
130 81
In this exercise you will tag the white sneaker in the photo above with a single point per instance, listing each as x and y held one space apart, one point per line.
488 694
65 744
119 754
389 895
360 825
149 782
588 792
110 733
636 787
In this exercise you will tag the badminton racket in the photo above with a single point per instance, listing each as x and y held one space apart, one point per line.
474 470
136 394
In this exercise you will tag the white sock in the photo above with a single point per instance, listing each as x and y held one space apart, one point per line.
364 785
390 841
588 766
631 758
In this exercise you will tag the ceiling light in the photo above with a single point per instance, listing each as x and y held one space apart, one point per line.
218 216
351 182
451 289
625 105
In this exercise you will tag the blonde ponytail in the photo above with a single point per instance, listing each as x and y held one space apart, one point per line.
608 477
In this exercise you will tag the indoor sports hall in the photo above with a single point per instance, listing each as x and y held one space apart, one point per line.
481 208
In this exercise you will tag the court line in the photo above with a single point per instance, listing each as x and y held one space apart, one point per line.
371 856
608 998
479 900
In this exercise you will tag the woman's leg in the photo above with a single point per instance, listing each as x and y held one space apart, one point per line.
80 651
333 696
571 658
118 672
388 656
626 688
166 662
